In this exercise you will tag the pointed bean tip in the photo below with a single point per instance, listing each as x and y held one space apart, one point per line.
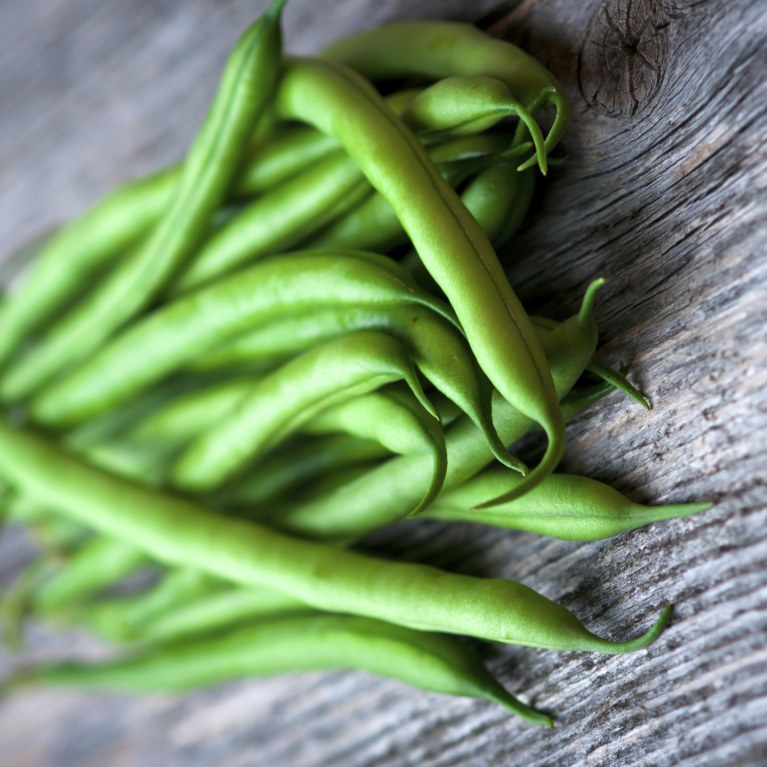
645 640
520 709
274 11
589 297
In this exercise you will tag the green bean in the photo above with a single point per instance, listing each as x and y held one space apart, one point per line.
449 241
210 167
280 157
325 577
395 420
180 331
600 368
288 397
373 224
498 198
221 609
470 105
298 461
396 486
437 349
563 506
278 220
94 566
440 49
294 644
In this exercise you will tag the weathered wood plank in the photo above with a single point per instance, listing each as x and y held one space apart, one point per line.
664 194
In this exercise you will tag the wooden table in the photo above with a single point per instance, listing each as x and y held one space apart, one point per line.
664 195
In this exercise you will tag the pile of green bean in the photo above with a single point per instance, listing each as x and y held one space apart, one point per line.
221 376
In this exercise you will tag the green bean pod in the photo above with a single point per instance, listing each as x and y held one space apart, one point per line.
280 402
396 486
307 642
462 104
396 421
441 49
436 347
94 566
325 577
186 328
209 171
373 225
564 506
299 461
448 239
280 157
278 219
220 609
498 198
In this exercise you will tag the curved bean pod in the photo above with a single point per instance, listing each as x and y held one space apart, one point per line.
437 349
439 49
325 577
498 198
280 402
449 241
461 104
564 506
180 331
209 170
393 419
293 644
373 224
397 485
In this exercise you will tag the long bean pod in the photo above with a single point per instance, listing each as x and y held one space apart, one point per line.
451 244
182 330
564 506
293 644
439 49
325 577
278 403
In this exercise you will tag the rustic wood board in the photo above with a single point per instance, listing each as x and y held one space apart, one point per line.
664 195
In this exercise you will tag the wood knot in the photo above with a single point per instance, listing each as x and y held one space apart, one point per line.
623 57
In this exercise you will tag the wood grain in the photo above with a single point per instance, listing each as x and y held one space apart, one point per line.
664 195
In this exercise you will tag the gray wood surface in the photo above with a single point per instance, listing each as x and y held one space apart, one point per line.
664 195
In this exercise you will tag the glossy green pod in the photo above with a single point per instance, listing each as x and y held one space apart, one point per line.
182 330
292 644
280 402
564 506
325 577
440 49
449 241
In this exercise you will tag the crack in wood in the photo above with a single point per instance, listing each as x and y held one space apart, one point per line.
623 58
